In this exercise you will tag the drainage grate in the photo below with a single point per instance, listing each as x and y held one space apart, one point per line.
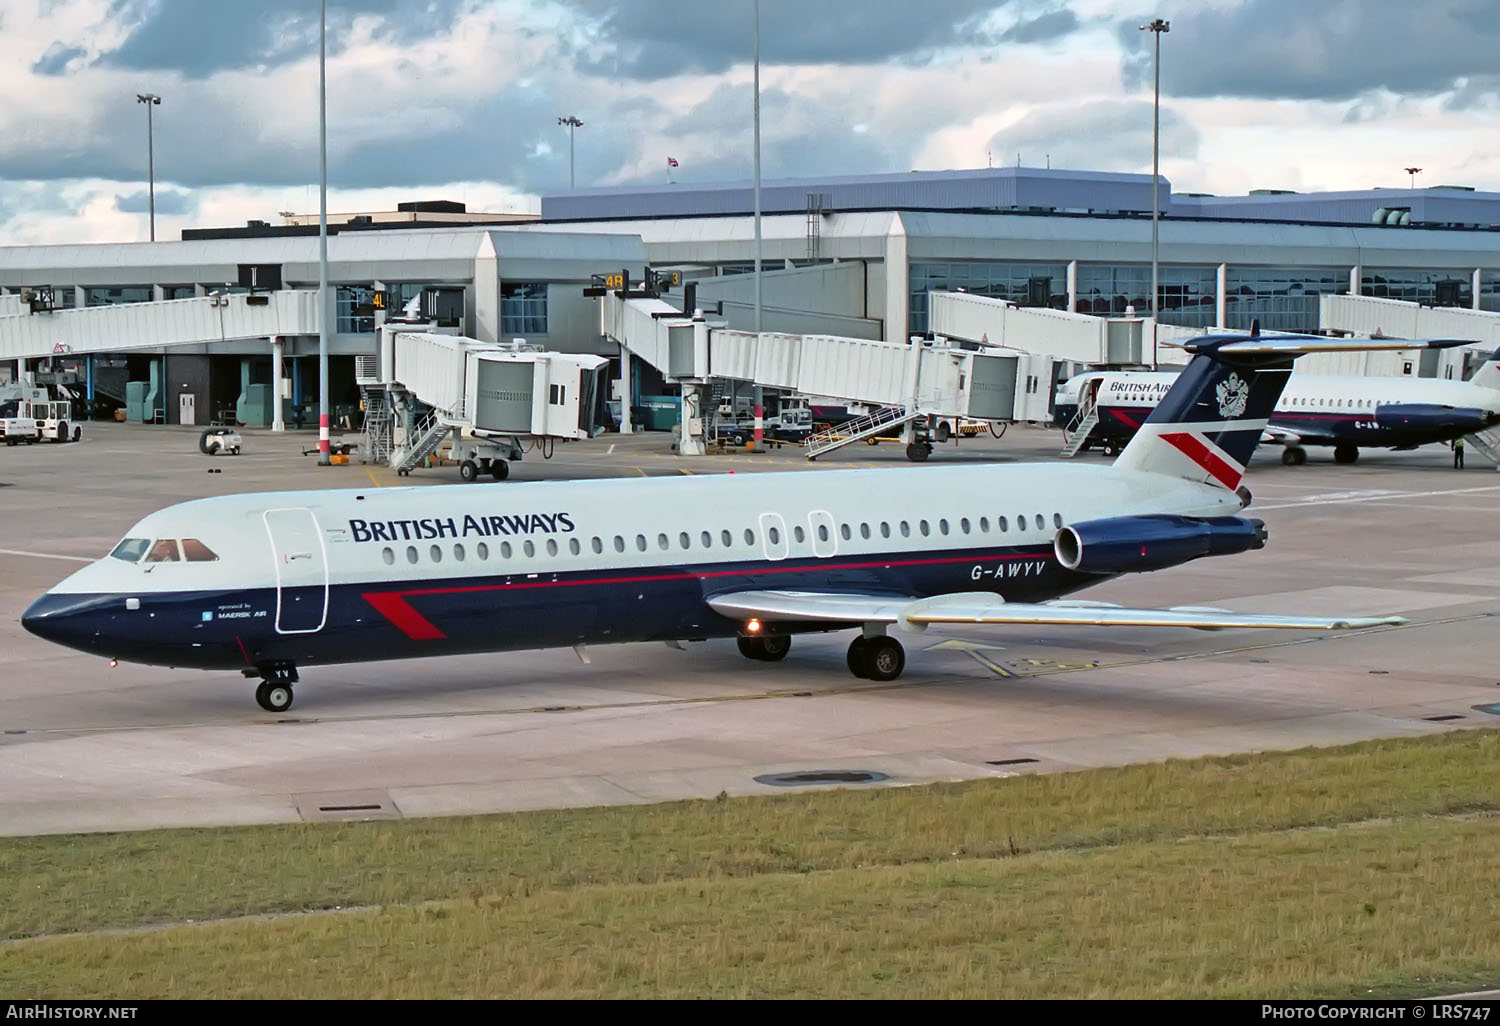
821 777
1380 673
1008 762
350 808
1440 719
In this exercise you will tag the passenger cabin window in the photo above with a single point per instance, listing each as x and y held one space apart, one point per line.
194 551
163 551
131 549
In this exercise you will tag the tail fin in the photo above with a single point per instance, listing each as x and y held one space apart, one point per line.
1488 374
1208 424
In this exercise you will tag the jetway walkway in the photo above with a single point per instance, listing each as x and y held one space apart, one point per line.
917 378
1060 334
131 326
488 398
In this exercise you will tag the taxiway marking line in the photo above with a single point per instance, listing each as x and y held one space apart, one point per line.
1374 497
371 474
45 555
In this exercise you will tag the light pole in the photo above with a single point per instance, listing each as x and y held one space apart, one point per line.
1413 171
758 397
1156 28
150 100
325 457
572 123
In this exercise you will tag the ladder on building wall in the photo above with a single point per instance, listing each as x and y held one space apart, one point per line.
867 426
1487 444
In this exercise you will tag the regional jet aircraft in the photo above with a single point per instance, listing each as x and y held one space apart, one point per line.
1346 412
273 583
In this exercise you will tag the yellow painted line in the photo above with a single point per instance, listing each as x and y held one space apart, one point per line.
681 470
639 471
373 478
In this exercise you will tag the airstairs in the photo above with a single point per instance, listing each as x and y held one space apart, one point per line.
868 426
1078 430
380 427
1487 444
426 437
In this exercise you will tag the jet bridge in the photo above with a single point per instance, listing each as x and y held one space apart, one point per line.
27 335
495 401
910 381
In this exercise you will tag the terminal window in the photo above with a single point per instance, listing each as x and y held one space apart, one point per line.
523 308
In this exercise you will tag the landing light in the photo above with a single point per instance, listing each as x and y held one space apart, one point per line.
752 627
113 663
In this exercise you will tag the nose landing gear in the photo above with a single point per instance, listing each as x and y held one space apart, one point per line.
274 693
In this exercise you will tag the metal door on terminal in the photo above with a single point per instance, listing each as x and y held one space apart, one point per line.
301 570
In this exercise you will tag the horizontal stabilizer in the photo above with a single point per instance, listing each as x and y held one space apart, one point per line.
984 608
1231 346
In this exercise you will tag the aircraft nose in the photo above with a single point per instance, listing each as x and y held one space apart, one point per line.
60 619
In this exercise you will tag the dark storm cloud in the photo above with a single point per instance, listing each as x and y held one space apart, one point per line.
199 37
1104 135
169 202
1052 25
1333 50
55 60
652 39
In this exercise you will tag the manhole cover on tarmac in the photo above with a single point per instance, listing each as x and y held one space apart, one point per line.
820 777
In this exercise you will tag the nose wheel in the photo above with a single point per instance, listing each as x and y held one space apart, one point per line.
274 693
274 698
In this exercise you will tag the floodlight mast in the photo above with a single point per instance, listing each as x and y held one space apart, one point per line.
1156 27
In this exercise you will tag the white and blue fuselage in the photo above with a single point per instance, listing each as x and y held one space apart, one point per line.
301 578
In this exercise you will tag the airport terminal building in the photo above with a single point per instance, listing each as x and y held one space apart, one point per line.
853 256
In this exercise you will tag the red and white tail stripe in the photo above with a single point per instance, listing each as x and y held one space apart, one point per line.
1188 451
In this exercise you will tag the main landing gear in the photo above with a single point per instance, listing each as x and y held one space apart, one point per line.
1294 456
770 649
874 658
878 658
1345 453
274 694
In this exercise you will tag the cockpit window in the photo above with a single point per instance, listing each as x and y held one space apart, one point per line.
194 551
163 551
131 549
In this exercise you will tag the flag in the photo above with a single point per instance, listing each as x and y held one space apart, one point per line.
672 162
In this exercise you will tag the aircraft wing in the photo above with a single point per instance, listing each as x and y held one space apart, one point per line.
983 608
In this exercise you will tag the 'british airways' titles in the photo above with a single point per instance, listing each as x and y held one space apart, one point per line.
468 526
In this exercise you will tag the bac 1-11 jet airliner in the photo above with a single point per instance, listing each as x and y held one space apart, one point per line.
272 584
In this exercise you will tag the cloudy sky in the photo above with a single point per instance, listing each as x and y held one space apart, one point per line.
459 99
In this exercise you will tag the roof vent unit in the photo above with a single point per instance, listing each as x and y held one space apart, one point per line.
361 219
257 224
1273 192
1379 216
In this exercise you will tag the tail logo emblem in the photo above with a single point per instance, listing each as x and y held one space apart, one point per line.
1234 395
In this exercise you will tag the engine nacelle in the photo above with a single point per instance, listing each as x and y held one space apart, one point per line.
1123 545
1434 418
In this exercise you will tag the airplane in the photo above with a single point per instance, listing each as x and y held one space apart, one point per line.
1346 412
272 583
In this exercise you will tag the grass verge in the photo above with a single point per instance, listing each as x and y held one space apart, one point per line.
1184 878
